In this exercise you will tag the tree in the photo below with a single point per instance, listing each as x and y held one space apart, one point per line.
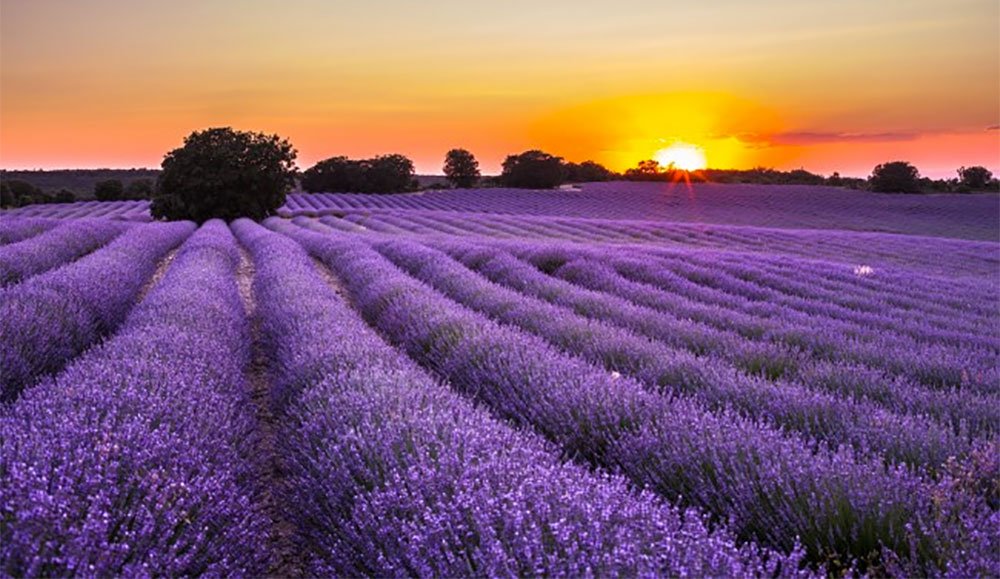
895 177
587 171
224 173
646 170
336 174
389 173
383 174
532 170
109 190
139 189
461 168
975 177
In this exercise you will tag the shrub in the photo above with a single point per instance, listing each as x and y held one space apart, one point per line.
226 174
461 168
895 177
533 170
109 190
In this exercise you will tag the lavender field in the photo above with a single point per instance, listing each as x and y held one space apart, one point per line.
619 380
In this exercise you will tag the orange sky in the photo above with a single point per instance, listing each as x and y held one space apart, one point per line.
828 86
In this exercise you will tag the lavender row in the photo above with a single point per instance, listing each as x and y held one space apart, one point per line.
391 473
936 365
120 210
829 371
950 257
970 217
849 305
136 460
767 486
902 289
715 385
50 318
14 229
52 248
972 416
933 364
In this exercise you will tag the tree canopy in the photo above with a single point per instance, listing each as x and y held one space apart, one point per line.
461 168
382 174
895 177
975 177
533 170
224 173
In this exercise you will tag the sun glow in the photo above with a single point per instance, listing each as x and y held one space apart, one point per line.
684 156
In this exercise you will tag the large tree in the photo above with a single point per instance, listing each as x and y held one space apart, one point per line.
224 173
533 170
975 177
895 177
461 168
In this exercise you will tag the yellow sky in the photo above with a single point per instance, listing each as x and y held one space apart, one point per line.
823 85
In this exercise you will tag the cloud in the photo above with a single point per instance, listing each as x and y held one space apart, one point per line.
813 137
993 128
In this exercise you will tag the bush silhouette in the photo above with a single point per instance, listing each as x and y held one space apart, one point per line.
975 177
383 174
532 170
895 177
109 190
223 173
461 168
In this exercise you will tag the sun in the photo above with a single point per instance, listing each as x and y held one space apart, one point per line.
684 156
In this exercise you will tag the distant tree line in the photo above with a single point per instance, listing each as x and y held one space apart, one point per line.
891 177
221 172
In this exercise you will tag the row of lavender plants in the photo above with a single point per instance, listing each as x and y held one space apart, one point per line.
766 485
970 414
971 217
700 297
137 460
61 244
119 210
14 229
50 318
825 418
390 473
941 256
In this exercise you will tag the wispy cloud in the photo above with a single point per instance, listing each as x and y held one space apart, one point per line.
813 137
993 128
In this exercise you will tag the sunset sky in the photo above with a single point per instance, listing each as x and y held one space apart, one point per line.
827 86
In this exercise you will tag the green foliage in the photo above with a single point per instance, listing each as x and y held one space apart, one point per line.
109 190
383 174
224 173
461 168
975 177
533 170
895 177
139 189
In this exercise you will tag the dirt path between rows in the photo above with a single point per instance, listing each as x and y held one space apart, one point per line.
161 270
285 559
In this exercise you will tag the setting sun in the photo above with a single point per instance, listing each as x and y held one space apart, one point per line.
684 156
